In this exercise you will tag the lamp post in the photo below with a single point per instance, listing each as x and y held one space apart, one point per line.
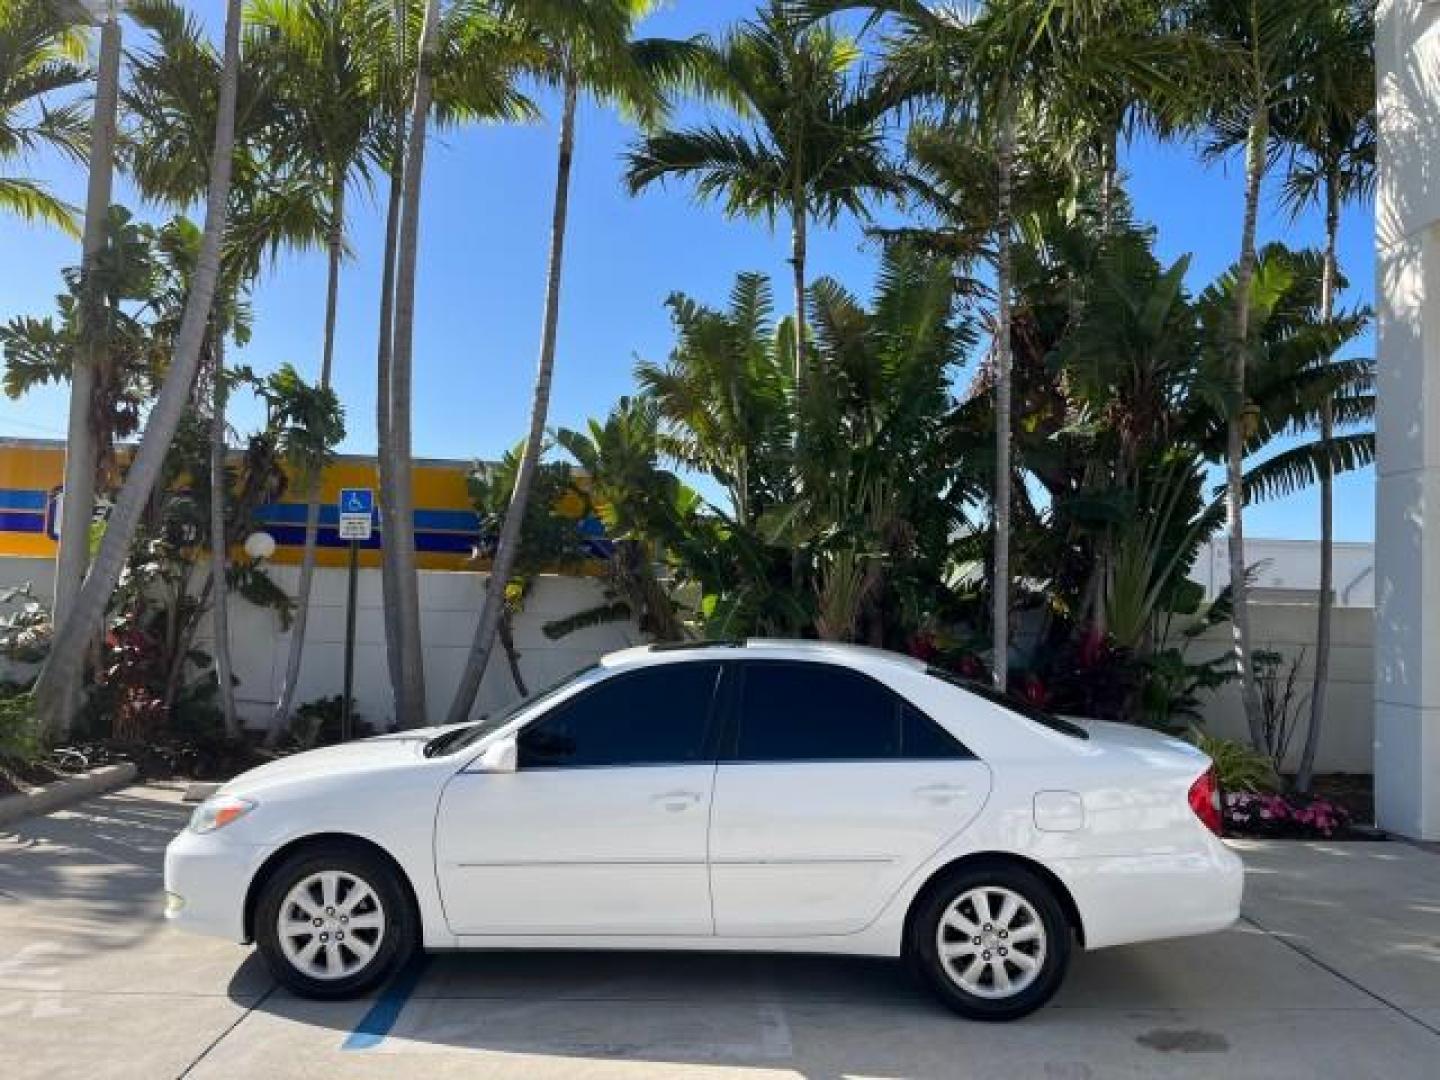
259 546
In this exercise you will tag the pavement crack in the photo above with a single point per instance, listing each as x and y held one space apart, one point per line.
221 1037
1325 966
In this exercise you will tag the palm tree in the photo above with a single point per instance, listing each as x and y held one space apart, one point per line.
41 56
59 680
584 49
814 147
397 499
1262 43
1328 130
461 68
995 65
328 90
82 443
272 205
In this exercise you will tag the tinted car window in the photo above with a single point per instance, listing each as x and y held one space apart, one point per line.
821 712
655 716
921 737
1014 704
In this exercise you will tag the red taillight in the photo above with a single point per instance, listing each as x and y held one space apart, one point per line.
1205 801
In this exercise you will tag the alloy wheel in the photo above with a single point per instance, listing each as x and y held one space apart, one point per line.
991 942
330 925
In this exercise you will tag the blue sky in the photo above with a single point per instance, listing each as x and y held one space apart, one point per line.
487 204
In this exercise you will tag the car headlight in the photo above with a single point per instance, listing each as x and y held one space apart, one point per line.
218 811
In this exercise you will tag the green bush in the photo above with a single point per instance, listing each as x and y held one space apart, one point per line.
1238 766
18 737
317 723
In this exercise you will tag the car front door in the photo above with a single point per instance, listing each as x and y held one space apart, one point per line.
601 829
830 791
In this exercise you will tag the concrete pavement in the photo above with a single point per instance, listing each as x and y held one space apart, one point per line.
1335 972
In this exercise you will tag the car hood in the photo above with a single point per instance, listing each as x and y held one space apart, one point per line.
361 756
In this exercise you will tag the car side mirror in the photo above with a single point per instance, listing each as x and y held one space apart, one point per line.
500 757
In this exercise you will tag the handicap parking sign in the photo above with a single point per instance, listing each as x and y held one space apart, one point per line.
357 512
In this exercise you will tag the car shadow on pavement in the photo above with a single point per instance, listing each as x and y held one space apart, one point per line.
717 1009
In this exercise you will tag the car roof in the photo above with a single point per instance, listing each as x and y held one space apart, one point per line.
858 656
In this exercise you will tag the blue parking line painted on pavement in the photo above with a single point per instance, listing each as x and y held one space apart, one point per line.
376 1024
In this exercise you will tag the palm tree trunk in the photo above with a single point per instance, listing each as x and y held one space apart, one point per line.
1235 427
1000 585
1320 688
219 543
798 253
59 680
512 655
312 497
389 571
492 610
397 456
82 444
799 240
1109 180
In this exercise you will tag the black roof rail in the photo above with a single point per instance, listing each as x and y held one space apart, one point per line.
717 643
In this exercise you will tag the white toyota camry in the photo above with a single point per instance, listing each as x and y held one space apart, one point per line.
762 796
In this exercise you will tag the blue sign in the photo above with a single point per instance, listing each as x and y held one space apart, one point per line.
357 501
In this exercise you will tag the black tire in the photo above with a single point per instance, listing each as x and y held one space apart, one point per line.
1050 958
391 948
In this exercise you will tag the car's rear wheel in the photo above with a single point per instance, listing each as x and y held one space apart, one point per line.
992 941
334 922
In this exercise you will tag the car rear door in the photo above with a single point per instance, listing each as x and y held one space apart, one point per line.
831 790
602 827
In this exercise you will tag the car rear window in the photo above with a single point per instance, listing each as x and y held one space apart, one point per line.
1012 703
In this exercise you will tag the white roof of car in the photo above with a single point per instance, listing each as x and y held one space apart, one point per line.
761 649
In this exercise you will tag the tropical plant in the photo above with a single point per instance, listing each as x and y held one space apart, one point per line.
59 681
644 508
1259 48
329 86
81 440
811 145
41 60
866 503
462 69
546 538
18 739
584 48
1238 766
997 66
1283 701
1327 132
271 206
24 632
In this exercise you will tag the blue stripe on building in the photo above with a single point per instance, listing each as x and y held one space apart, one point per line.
466 521
24 499
445 543
24 523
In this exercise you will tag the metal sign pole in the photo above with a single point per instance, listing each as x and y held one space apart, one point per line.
357 510
351 587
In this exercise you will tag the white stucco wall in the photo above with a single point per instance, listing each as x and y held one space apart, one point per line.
450 601
1348 735
1407 421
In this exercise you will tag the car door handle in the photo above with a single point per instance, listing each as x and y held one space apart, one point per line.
941 793
676 801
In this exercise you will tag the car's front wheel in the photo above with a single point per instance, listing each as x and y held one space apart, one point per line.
992 941
333 923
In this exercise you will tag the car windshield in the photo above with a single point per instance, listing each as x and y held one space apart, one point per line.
1012 703
459 738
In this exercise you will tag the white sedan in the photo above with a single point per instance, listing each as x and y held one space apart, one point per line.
761 796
